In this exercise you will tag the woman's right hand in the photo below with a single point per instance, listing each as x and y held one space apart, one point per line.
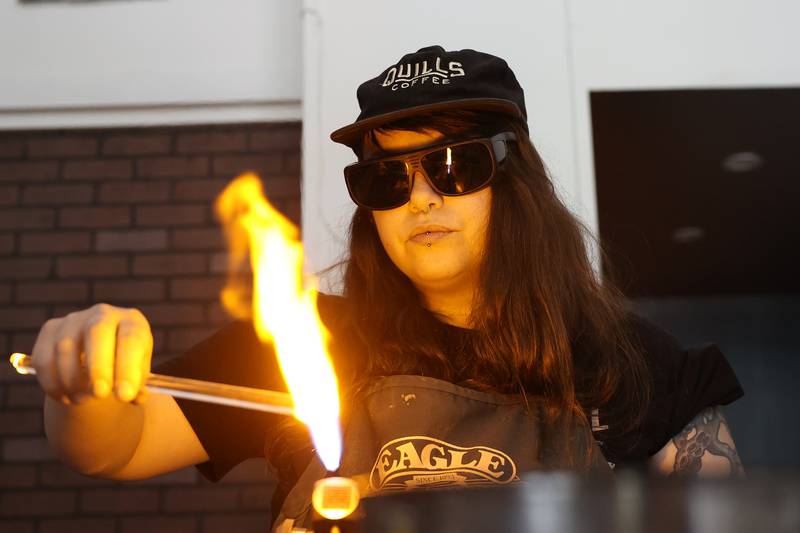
92 352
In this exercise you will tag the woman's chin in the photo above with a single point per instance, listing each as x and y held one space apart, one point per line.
437 276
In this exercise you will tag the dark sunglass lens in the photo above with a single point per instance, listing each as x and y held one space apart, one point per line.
459 169
378 185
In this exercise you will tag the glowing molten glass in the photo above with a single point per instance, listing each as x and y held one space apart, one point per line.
282 306
21 363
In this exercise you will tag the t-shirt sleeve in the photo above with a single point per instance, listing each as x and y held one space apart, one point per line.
232 355
685 381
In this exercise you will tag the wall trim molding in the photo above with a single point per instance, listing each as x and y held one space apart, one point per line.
166 114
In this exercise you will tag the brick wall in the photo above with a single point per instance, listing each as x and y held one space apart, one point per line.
124 217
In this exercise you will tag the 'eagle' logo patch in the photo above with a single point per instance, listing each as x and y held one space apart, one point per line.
416 461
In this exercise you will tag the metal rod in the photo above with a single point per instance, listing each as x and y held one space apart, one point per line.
199 390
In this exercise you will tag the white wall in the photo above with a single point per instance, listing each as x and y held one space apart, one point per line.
149 61
561 50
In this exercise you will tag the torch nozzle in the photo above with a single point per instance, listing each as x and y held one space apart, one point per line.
335 498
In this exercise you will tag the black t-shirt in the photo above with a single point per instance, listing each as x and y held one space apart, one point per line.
685 381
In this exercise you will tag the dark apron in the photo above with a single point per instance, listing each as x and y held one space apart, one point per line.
412 432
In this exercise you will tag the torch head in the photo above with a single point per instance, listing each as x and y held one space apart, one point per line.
335 498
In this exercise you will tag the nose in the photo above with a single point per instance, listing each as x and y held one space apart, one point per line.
423 196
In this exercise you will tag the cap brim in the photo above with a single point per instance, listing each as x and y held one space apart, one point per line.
351 134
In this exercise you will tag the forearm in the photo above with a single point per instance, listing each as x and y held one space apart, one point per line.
96 437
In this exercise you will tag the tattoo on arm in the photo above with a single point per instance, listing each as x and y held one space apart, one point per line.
702 435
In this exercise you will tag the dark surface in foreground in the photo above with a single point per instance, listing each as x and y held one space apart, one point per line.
561 503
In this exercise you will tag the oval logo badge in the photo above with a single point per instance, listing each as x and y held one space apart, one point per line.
417 461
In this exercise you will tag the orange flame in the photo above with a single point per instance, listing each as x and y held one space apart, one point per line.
282 306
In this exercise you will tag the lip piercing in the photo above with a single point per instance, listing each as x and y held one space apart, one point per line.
427 233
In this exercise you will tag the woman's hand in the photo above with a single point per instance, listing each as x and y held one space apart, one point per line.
105 352
92 352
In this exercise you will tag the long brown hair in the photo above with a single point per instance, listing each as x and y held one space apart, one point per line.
543 324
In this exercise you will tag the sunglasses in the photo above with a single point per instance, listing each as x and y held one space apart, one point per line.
452 169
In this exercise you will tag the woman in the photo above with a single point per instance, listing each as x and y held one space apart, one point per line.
472 342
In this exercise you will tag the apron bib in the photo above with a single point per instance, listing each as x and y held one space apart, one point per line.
415 432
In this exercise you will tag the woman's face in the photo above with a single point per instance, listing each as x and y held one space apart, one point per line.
448 255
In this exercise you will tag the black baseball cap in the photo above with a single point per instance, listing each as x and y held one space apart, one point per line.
433 79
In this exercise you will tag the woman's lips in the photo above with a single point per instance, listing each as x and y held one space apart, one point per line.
430 236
